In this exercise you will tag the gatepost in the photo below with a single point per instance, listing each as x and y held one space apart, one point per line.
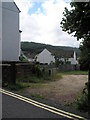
13 72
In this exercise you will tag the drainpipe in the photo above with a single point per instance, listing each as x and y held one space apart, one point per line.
89 91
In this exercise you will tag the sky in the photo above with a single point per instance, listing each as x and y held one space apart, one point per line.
40 22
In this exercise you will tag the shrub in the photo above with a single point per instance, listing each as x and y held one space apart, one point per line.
36 70
82 101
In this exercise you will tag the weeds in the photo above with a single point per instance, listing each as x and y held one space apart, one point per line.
17 86
82 103
38 96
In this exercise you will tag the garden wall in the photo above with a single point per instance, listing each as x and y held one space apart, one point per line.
68 67
13 70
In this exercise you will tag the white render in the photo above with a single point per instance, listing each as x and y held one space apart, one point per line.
72 60
45 57
0 32
10 32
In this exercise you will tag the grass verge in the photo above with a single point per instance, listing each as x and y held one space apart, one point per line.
77 72
31 81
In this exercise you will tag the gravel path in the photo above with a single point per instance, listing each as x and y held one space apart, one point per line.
63 91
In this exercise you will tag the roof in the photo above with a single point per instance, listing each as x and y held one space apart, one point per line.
63 53
17 7
45 50
11 6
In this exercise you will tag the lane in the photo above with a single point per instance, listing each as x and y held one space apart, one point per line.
67 115
14 108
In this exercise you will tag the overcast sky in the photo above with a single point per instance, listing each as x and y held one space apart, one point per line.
40 22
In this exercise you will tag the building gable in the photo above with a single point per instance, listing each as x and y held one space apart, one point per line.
10 6
45 57
45 51
10 32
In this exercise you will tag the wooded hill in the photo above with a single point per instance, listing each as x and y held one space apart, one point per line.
30 49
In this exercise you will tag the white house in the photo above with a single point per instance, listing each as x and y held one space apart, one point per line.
10 32
45 57
72 60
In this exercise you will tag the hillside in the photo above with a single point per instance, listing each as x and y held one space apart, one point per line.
30 49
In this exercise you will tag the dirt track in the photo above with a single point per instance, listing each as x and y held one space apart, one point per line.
62 91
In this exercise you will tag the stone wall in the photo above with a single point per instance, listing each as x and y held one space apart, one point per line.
21 70
69 67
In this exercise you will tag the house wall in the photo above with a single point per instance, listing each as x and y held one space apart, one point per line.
73 61
45 57
68 67
10 32
0 34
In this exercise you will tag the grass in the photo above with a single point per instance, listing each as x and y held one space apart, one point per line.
77 72
81 103
43 79
17 86
37 96
31 81
34 81
58 76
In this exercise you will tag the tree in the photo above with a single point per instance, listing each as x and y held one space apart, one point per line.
77 21
85 54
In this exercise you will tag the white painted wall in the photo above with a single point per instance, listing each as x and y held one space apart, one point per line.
45 57
10 32
72 60
0 32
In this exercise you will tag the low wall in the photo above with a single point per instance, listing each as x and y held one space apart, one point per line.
24 69
10 72
13 70
69 67
6 73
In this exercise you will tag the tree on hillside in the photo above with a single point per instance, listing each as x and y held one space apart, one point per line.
77 21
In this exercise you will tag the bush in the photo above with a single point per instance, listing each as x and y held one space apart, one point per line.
82 101
36 70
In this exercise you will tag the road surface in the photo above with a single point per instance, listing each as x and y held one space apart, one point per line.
17 106
14 108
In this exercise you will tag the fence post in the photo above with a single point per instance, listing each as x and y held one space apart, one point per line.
13 73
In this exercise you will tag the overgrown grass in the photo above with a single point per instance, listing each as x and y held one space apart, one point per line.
58 76
17 86
32 81
75 72
81 103
43 79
